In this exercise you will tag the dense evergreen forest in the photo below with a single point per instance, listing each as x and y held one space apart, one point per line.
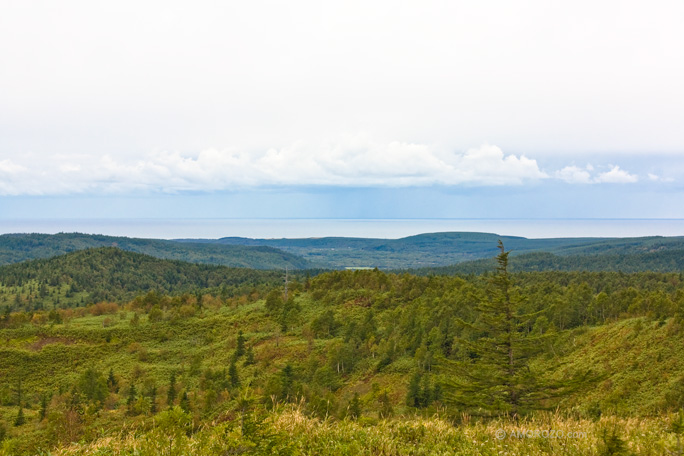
661 261
195 359
110 274
15 248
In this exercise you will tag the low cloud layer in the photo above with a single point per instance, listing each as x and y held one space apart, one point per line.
350 163
615 175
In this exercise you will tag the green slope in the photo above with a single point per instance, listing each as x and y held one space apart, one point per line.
19 247
641 362
109 273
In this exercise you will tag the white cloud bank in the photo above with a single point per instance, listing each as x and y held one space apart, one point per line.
576 175
355 162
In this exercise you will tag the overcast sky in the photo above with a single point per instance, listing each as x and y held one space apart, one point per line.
346 109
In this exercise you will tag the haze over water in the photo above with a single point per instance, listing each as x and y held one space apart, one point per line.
371 228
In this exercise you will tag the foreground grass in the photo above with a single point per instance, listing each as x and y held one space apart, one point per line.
290 432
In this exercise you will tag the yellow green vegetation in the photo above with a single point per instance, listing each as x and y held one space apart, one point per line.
353 362
289 431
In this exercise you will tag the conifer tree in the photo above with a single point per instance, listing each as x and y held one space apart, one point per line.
93 386
240 345
185 402
249 357
20 420
413 393
233 377
130 401
112 382
286 381
171 394
497 378
43 407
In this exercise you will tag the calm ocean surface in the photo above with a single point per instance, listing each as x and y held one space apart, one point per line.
292 228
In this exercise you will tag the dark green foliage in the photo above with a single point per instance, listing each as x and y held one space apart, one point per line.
43 407
325 325
185 402
130 399
354 409
288 314
421 393
155 314
495 376
413 395
612 443
171 393
442 249
93 386
19 247
20 420
624 261
274 301
240 345
283 312
233 377
282 386
256 434
111 274
112 382
249 356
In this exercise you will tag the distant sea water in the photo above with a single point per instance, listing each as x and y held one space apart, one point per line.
371 228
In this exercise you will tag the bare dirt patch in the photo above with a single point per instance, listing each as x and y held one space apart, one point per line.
39 344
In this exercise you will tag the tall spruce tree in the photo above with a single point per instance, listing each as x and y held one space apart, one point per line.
233 377
43 407
185 402
495 379
20 420
240 345
130 400
171 393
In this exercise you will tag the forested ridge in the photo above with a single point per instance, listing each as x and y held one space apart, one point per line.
15 248
110 274
449 248
430 251
658 261
343 361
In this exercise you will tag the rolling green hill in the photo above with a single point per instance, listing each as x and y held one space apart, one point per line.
444 249
662 260
111 274
20 247
433 250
